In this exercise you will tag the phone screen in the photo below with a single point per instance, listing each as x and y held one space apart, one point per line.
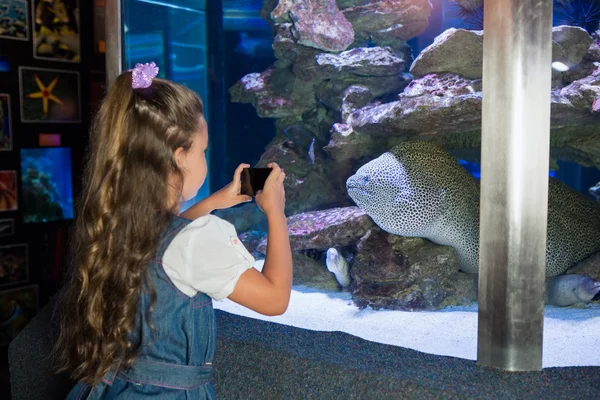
253 180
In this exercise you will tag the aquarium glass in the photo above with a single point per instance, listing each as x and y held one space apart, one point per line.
46 184
173 35
325 90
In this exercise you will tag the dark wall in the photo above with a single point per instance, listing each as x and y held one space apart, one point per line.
47 242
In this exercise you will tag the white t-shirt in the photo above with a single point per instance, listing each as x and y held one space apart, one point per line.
207 256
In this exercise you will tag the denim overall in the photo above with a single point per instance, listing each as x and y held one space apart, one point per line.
175 360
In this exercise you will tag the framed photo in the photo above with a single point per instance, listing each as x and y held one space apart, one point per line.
7 227
4 63
56 30
8 191
5 123
14 20
14 264
17 307
49 95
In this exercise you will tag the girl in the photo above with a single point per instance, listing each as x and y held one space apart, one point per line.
136 316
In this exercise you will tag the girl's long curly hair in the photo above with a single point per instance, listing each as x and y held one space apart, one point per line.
130 183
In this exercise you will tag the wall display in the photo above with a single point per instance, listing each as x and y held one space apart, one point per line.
7 227
49 139
4 62
46 184
5 123
17 307
14 21
8 191
14 264
49 95
56 30
99 35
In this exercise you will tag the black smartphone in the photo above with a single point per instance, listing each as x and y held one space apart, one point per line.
253 180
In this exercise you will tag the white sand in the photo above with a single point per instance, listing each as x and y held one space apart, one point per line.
571 335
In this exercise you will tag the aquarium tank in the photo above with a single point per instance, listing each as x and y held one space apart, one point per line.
46 184
364 104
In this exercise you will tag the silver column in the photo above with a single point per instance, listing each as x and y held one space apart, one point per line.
517 49
113 18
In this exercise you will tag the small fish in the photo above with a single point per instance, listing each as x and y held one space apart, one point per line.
561 67
311 152
595 191
303 138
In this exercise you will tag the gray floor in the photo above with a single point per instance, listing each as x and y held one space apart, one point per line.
264 360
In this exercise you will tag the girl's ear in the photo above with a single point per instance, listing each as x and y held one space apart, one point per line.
179 155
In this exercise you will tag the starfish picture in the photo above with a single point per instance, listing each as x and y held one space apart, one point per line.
59 92
45 93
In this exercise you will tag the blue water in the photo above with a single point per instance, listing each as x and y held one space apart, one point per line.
47 183
475 169
571 174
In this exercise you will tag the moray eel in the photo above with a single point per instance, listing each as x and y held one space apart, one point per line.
565 290
338 265
417 189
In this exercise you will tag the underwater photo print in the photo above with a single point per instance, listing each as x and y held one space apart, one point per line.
8 191
17 308
7 227
5 125
56 30
14 264
4 63
49 95
13 20
47 185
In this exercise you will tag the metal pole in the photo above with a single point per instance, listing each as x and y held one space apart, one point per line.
113 19
515 151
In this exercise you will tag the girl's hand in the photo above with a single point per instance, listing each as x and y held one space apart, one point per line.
272 198
230 195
